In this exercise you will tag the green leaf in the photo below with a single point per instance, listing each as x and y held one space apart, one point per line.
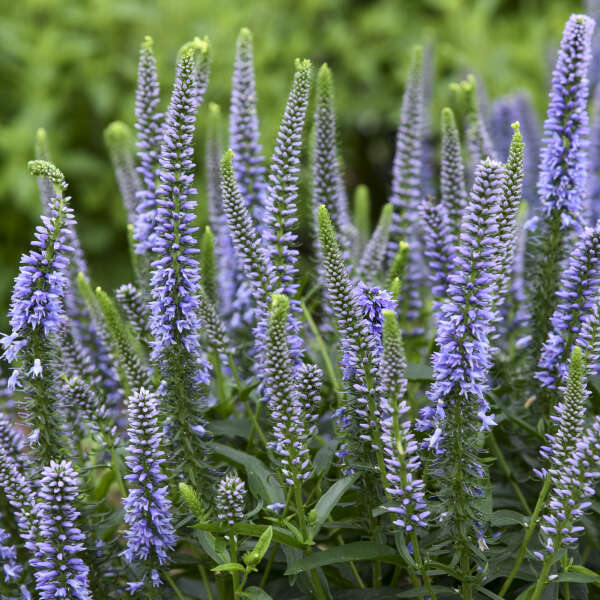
229 567
422 591
253 557
581 577
207 542
341 554
525 594
231 428
418 372
255 593
585 570
329 500
489 594
279 535
504 517
261 481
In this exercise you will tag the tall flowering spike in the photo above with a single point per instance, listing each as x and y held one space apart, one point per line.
568 416
230 499
20 496
12 441
244 133
371 262
392 369
149 135
439 245
291 422
359 347
588 338
59 570
562 176
228 276
252 257
512 187
125 347
203 59
459 410
327 177
174 320
42 152
11 568
118 139
373 301
281 212
400 450
310 380
148 510
452 173
563 159
478 141
571 472
131 302
406 170
577 294
37 312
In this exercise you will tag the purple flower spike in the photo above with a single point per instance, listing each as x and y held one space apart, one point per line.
58 567
148 511
231 498
563 160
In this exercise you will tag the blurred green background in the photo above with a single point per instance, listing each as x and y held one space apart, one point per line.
70 66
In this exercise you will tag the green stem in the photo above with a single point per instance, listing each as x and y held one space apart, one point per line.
508 472
173 585
255 424
114 461
234 575
323 349
417 553
565 568
465 564
206 582
528 534
543 578
265 577
361 584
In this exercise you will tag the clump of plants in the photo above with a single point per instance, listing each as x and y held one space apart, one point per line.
287 403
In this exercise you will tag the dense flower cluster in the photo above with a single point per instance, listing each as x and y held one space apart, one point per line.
280 377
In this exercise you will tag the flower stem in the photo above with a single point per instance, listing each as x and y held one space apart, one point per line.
530 529
206 582
114 461
543 578
173 585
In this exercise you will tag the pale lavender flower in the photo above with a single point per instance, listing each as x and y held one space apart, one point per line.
148 510
59 570
230 499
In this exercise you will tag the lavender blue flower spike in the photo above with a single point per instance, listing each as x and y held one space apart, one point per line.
244 133
118 139
20 496
512 187
174 320
59 570
571 472
327 177
406 170
149 135
11 568
371 262
229 278
563 159
359 346
372 301
578 291
230 500
400 449
459 409
37 312
452 174
406 184
291 427
562 176
280 214
439 246
148 510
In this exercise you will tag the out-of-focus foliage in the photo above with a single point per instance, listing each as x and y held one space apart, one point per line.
70 65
